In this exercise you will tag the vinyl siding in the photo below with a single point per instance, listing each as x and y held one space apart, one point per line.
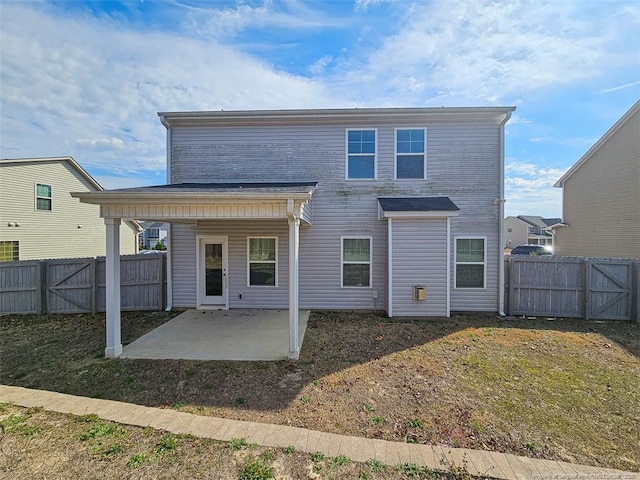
55 233
463 162
419 258
236 231
601 200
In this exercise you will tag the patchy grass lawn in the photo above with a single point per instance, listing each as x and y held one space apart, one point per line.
557 389
44 445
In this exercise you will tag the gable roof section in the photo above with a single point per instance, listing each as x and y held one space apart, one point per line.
69 160
596 146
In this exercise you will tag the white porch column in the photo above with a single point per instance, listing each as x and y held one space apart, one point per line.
112 284
294 243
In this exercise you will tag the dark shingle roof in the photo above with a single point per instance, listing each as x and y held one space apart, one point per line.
417 204
231 186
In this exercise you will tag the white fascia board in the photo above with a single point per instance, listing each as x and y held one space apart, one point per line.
115 198
323 116
430 214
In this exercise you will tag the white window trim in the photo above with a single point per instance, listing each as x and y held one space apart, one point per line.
249 261
346 157
455 262
396 154
370 262
36 197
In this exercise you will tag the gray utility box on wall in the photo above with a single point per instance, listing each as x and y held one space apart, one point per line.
420 292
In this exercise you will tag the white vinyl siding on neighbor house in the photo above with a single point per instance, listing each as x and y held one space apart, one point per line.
601 197
471 259
463 164
262 261
410 153
43 197
356 261
70 230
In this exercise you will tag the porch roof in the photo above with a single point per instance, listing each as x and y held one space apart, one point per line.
197 201
417 207
189 192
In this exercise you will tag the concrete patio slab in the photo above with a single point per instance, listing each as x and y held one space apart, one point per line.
242 334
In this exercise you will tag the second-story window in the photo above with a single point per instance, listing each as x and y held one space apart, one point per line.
361 154
43 197
410 153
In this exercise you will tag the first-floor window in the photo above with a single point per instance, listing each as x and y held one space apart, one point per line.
470 262
43 197
263 261
9 251
356 261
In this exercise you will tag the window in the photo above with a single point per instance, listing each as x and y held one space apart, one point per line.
410 153
356 262
9 250
263 261
43 197
470 262
361 154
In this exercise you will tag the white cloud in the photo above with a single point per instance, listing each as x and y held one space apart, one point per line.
321 64
479 51
84 87
529 190
221 24
365 4
101 143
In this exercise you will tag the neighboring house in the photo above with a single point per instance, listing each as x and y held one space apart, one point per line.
152 233
39 219
529 230
396 209
601 195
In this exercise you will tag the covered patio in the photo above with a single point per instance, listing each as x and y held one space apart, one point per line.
239 334
191 203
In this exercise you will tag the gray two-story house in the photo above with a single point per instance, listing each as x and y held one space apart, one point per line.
394 209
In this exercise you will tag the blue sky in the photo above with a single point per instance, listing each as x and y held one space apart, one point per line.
86 78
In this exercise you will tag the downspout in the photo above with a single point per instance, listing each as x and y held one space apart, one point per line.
501 201
169 239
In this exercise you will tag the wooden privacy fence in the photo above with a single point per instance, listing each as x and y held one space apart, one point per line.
589 288
77 285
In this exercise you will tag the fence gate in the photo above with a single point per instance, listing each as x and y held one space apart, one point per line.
609 287
70 285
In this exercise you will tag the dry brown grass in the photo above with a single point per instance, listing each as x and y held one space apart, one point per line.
557 389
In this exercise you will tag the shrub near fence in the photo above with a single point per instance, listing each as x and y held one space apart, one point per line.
576 287
77 285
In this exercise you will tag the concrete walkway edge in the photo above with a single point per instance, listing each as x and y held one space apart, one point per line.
478 462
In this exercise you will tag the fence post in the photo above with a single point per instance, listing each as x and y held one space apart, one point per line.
162 292
94 287
42 287
509 275
635 291
587 288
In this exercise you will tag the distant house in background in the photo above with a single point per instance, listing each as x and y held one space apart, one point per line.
601 195
529 230
153 233
39 219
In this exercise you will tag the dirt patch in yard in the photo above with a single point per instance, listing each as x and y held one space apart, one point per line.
557 389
